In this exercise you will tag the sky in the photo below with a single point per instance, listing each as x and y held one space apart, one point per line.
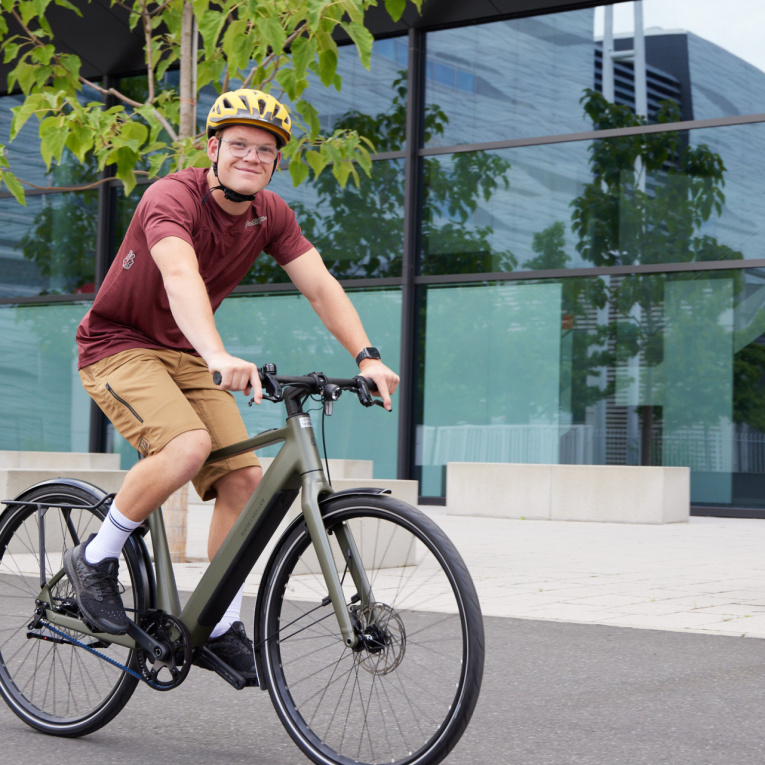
736 25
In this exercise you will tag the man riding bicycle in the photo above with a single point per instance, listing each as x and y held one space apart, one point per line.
148 345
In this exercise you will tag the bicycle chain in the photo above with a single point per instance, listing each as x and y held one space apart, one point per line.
80 644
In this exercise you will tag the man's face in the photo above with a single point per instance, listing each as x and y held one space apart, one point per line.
248 174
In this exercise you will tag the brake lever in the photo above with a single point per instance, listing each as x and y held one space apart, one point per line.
365 397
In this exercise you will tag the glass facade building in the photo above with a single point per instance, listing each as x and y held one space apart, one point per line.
558 279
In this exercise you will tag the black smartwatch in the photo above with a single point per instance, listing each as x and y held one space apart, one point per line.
368 353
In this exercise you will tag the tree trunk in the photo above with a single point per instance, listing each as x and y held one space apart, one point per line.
188 85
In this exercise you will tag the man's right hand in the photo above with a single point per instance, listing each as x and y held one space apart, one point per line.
236 374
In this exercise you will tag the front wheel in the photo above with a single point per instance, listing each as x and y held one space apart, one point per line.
408 690
48 681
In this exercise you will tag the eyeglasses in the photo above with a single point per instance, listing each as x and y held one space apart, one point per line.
241 149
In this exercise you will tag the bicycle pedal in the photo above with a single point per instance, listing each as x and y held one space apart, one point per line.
206 659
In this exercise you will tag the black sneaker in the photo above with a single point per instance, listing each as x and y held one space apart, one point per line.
234 648
97 590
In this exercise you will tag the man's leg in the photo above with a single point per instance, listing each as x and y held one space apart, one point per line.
147 485
228 640
233 491
92 566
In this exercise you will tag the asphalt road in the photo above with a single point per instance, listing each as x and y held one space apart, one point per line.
553 694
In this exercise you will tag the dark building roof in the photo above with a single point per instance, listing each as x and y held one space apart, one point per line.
102 38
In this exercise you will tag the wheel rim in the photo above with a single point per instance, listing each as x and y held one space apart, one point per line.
361 706
50 683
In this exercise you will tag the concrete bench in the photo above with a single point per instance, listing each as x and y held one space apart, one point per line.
606 493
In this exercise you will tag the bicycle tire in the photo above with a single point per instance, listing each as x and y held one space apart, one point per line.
407 703
54 686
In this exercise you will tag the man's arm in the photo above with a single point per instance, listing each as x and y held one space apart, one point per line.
309 274
191 309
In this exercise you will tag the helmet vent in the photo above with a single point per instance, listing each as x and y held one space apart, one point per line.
261 106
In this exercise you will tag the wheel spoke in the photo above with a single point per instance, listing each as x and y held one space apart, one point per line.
407 690
55 686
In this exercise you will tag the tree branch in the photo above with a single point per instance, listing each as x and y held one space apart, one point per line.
130 102
273 55
84 187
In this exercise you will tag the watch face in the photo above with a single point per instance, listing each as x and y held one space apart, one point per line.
368 353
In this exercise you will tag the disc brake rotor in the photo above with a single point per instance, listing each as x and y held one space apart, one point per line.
382 638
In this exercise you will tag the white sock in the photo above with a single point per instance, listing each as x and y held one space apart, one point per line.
111 537
233 614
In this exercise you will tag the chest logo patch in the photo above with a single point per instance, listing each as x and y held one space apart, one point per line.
128 260
256 221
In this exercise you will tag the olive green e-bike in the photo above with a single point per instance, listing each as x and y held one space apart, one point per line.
368 633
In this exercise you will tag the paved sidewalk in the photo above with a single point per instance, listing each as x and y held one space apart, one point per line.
704 576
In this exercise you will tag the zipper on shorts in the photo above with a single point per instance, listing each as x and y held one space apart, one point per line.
124 403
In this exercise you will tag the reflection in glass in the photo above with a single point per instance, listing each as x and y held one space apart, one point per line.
510 79
43 406
48 247
523 77
284 330
660 369
359 230
676 197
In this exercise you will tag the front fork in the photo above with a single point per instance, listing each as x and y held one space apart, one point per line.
351 561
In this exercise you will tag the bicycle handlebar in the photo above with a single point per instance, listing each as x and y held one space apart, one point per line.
315 383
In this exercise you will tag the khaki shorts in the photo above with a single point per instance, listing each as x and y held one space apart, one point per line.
152 396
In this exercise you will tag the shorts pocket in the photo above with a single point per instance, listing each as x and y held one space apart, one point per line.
124 403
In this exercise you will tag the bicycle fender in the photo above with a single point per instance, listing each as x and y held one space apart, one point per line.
134 540
361 491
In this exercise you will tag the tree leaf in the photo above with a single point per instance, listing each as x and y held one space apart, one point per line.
395 8
9 179
363 39
298 171
316 161
271 30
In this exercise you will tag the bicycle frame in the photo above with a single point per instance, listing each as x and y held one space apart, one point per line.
296 466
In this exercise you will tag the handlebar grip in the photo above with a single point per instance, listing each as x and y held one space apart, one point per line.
217 377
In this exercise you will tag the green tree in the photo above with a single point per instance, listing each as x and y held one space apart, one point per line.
649 196
359 229
273 45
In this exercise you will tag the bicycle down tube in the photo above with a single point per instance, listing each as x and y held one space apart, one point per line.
297 465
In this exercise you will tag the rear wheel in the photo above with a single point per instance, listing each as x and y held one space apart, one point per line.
406 694
50 683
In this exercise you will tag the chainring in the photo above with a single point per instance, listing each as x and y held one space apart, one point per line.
165 674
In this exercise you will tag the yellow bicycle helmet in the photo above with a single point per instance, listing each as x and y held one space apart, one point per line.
250 107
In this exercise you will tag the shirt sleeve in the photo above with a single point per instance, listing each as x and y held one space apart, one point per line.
167 209
287 240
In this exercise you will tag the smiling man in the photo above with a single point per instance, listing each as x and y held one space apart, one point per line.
149 344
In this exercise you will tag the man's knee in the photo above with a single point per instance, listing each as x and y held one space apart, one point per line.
237 486
190 449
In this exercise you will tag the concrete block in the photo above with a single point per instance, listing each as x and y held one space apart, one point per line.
499 490
620 494
14 481
59 460
604 493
